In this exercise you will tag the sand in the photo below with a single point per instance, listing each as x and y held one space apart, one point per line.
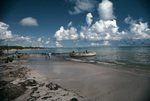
35 78
94 82
19 82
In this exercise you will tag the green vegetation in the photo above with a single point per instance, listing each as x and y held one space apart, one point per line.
18 47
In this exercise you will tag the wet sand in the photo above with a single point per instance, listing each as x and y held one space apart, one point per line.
94 82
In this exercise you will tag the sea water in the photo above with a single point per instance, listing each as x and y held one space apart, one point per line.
129 57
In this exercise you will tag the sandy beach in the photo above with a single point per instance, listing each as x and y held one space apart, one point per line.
94 82
19 82
35 78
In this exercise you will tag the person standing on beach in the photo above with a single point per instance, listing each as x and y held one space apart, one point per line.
86 51
49 54
16 55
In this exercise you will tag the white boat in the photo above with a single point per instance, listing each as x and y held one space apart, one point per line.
82 54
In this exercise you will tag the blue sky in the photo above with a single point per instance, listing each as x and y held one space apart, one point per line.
74 23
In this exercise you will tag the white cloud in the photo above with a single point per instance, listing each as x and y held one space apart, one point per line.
105 43
100 30
58 44
95 44
139 31
89 19
129 20
42 42
3 26
82 6
68 34
48 41
70 24
29 21
4 33
6 37
39 40
106 29
82 36
105 10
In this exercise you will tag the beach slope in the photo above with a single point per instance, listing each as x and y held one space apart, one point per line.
95 82
19 82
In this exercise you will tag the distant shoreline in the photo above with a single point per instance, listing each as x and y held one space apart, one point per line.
94 82
22 49
18 48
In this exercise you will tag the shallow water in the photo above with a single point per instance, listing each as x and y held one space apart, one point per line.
93 82
131 57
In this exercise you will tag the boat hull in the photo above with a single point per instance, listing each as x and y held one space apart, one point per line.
82 54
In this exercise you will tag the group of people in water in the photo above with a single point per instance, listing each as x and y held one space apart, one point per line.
9 58
16 55
48 54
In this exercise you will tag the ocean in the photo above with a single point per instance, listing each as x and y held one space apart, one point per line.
122 57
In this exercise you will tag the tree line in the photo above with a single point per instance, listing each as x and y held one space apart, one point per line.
18 47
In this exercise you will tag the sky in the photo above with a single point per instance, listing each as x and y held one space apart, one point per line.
74 23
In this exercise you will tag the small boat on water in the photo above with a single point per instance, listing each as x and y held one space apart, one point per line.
82 54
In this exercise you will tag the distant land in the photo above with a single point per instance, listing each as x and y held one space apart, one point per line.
13 48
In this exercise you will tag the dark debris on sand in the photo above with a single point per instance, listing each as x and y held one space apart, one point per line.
11 71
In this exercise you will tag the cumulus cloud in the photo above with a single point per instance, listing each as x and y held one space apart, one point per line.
95 44
39 40
48 41
4 33
129 20
100 30
105 43
29 21
89 19
106 29
68 34
42 42
6 37
58 44
82 6
105 10
139 31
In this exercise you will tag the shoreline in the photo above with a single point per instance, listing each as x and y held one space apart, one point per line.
94 82
21 49
32 77
19 82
